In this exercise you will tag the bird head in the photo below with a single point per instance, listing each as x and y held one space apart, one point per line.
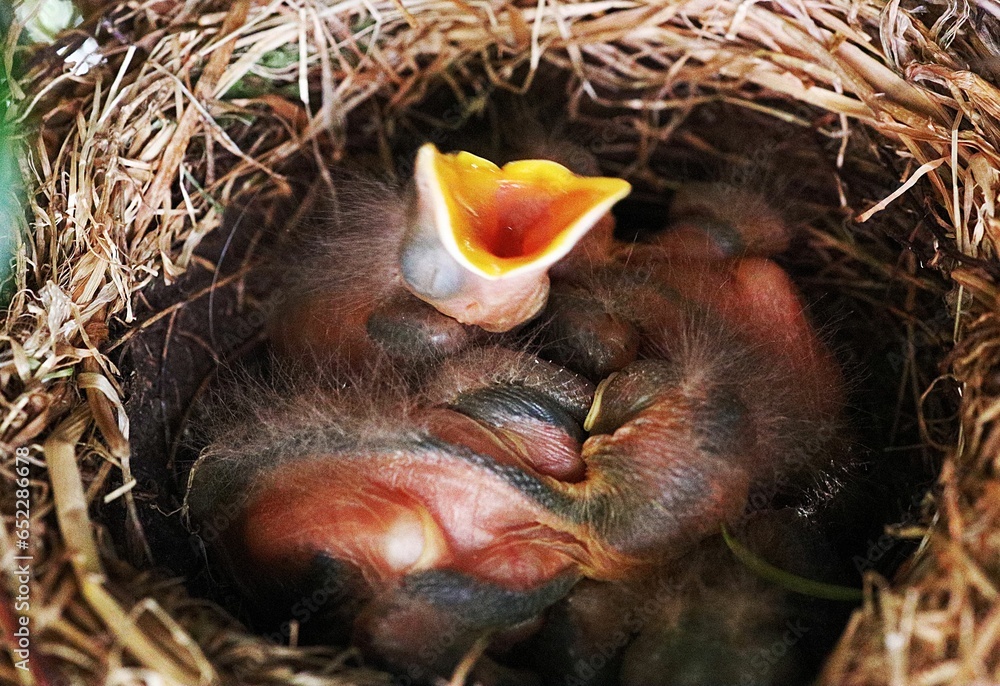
482 237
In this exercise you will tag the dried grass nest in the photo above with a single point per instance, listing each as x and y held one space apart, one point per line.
200 105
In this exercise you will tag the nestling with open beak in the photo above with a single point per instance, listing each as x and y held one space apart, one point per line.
660 386
468 246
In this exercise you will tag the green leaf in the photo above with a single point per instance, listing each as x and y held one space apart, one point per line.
11 195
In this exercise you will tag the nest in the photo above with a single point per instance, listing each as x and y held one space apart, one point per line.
200 107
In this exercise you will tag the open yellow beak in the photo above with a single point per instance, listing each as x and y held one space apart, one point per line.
481 238
503 221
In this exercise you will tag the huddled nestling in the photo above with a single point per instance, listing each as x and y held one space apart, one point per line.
508 441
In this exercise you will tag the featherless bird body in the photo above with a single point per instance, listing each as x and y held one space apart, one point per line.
575 408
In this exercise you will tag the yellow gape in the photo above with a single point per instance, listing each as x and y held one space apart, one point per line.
484 237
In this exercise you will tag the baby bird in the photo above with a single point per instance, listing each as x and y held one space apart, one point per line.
649 392
466 247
